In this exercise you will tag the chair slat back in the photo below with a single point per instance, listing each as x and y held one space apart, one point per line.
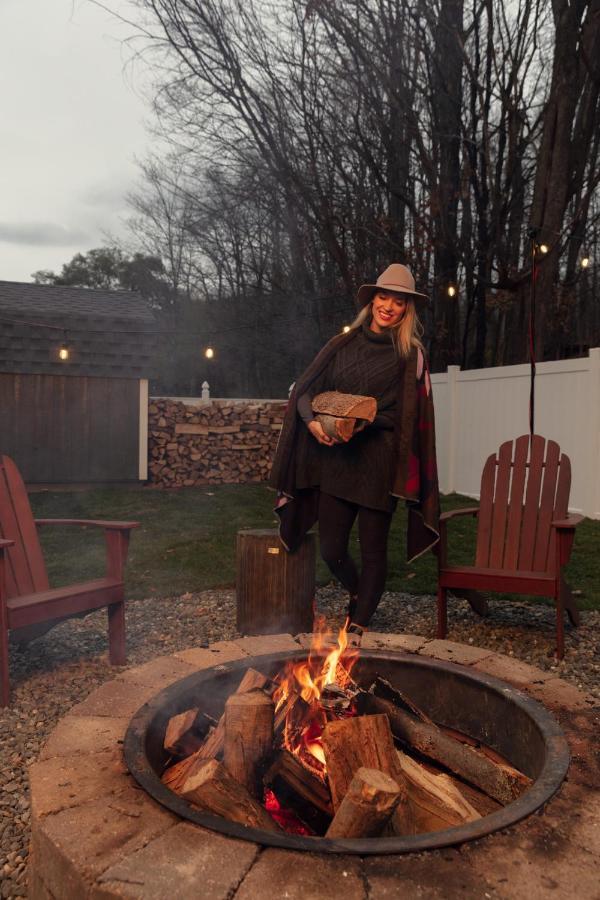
523 489
532 503
500 513
26 571
486 510
515 511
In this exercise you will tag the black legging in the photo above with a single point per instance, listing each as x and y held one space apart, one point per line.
336 518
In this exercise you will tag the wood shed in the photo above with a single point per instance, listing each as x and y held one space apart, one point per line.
74 370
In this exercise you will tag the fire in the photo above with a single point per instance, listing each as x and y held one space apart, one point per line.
325 668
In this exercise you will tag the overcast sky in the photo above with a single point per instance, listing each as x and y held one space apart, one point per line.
71 124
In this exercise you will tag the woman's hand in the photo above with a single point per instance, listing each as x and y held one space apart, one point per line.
316 429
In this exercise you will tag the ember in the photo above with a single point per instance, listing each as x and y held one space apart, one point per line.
284 817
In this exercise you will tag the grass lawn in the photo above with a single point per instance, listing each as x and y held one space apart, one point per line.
186 540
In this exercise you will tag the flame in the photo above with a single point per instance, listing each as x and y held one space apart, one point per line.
303 727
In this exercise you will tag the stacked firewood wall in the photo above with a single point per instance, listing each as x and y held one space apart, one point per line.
216 442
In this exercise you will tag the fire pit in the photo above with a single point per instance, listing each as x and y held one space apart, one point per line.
477 705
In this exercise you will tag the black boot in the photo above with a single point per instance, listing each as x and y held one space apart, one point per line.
351 608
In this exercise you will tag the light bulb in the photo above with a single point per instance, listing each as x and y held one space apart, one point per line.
209 353
63 353
585 262
451 290
346 329
544 248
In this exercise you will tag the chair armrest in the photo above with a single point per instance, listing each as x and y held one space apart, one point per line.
453 513
113 526
569 522
564 534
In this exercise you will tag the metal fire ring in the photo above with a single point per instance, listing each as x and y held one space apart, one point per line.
545 752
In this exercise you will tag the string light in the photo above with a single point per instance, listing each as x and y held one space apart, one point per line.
346 329
451 290
63 353
543 248
209 353
585 261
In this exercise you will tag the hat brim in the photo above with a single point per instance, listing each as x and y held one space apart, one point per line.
366 291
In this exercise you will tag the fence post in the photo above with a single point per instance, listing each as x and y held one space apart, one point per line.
452 427
592 475
143 431
205 390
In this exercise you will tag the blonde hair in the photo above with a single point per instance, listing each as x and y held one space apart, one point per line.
406 334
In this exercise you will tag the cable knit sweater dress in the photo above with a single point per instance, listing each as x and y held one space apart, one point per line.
361 470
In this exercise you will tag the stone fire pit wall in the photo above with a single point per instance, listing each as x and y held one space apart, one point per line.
213 442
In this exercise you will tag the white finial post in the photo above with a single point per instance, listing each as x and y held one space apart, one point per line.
205 390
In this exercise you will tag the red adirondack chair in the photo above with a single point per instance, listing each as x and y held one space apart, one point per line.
524 531
26 598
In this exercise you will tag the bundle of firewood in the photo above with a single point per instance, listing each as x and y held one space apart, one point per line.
388 769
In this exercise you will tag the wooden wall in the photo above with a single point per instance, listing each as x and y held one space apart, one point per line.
70 429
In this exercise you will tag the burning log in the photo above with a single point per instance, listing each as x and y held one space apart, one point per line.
434 801
300 781
248 737
293 705
212 788
501 782
368 805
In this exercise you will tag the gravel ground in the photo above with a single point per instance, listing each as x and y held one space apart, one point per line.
64 666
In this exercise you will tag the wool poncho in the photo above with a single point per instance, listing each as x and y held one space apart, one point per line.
414 476
360 471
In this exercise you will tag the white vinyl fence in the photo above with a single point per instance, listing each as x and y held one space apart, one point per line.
477 410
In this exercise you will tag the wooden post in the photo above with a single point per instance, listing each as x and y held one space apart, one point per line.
275 589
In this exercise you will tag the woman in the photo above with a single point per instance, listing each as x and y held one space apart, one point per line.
336 481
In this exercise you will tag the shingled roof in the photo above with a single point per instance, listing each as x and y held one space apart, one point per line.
108 333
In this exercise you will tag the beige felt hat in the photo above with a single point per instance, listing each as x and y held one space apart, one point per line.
396 278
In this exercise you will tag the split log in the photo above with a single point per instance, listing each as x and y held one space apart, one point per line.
382 688
353 743
310 788
248 738
213 743
293 706
430 741
434 801
174 777
480 802
212 788
367 807
363 741
185 732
